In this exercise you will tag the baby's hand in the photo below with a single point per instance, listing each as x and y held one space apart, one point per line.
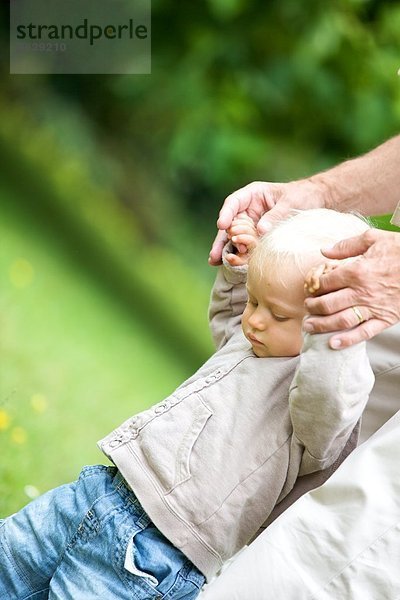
311 282
244 236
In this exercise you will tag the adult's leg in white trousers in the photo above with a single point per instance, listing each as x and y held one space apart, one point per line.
341 540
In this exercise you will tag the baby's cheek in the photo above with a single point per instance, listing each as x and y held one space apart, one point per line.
297 340
299 344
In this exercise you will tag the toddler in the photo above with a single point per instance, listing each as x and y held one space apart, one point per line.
197 475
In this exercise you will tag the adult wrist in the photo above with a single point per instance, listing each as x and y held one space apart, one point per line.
336 194
316 192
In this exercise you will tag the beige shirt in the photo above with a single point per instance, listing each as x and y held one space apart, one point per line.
210 462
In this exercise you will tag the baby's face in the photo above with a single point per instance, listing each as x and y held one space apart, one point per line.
272 320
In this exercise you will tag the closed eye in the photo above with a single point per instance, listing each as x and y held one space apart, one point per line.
279 318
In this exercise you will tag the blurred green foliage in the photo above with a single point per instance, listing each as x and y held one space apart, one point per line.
74 362
109 191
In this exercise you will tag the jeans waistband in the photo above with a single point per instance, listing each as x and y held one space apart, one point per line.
130 498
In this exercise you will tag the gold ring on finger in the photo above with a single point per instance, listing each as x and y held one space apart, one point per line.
358 314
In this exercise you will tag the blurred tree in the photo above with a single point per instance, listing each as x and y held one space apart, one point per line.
239 91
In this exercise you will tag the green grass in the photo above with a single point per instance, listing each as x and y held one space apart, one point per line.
74 362
383 222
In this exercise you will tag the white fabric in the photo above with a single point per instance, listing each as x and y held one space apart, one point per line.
341 541
395 220
384 355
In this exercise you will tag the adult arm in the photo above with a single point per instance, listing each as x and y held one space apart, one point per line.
369 184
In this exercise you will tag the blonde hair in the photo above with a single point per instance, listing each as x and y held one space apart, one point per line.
298 239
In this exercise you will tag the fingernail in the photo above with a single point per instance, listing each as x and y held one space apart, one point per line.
335 344
308 326
328 249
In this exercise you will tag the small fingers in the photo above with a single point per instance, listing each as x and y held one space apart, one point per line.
341 274
312 281
243 216
235 260
243 227
247 240
241 248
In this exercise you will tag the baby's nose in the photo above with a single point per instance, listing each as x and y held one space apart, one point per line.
258 321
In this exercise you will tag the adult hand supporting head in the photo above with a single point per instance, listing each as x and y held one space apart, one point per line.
367 287
266 203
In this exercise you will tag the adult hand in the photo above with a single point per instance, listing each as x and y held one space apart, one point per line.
266 203
361 297
369 184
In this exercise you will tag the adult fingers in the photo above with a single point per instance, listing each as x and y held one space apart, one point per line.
234 204
363 332
344 319
274 215
330 303
353 246
255 199
215 256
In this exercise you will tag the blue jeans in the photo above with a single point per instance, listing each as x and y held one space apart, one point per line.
91 540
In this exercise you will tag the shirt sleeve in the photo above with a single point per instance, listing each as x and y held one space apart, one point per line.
228 300
328 394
